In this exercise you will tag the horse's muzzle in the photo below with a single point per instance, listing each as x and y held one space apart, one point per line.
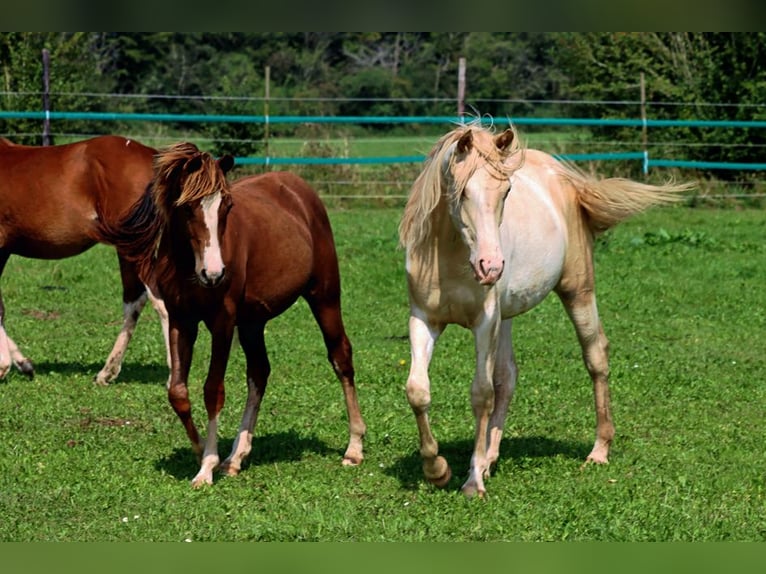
211 280
488 272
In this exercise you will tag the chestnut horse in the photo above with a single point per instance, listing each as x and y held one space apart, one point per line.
52 201
489 229
235 255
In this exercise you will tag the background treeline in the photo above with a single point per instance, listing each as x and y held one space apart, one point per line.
595 75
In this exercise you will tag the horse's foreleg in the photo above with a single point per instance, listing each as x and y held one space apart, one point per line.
182 338
423 337
504 381
595 351
215 396
485 335
258 370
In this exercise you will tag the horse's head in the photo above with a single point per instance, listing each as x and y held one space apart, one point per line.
193 194
478 182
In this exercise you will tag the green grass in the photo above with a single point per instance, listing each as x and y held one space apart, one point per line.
682 299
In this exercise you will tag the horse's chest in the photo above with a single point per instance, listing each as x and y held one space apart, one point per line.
449 301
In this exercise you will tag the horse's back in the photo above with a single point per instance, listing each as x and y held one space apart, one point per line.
54 195
279 228
285 194
284 189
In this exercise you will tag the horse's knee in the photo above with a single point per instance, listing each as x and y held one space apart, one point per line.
418 395
178 397
482 397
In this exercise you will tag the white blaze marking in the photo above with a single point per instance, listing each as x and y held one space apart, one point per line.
212 261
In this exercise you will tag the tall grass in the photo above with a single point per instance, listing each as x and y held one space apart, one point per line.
681 295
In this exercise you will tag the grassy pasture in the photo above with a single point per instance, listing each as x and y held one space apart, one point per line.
682 299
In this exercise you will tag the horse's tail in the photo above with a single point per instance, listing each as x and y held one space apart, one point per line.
609 201
135 236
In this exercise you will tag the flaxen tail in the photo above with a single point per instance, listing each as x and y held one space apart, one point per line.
609 201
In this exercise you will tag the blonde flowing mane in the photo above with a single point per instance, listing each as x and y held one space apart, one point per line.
445 172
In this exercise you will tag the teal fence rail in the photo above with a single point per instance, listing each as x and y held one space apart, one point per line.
643 156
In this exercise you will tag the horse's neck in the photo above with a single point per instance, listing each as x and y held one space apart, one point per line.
173 256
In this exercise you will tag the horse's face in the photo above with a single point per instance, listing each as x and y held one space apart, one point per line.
205 223
477 213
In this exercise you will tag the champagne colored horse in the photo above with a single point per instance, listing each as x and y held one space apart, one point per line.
490 228
52 201
235 256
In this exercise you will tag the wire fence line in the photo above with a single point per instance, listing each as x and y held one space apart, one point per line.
648 152
341 99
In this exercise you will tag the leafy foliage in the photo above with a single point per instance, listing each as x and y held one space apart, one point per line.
688 75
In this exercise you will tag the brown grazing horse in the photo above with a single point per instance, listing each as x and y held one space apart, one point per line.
235 255
53 199
490 229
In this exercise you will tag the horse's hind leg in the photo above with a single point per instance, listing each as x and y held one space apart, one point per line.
258 370
9 351
328 315
134 298
582 310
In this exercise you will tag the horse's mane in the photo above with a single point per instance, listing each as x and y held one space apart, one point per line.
182 174
441 163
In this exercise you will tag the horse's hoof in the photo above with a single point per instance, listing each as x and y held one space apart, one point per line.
100 381
442 480
200 481
471 490
590 462
228 470
352 460
27 368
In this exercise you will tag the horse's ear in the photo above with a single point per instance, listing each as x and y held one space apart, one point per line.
226 163
504 140
465 142
193 164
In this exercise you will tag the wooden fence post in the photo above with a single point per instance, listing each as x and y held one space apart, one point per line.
644 130
267 89
461 88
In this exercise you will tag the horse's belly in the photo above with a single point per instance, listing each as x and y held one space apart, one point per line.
52 248
35 237
520 301
527 286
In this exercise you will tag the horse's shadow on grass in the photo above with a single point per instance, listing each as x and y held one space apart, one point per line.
409 469
269 449
142 373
